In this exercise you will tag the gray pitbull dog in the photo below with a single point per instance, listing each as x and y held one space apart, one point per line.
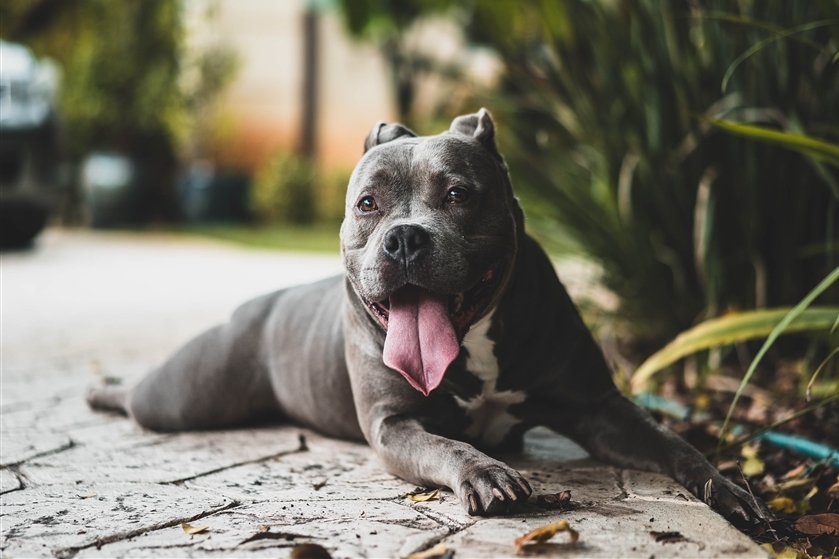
449 333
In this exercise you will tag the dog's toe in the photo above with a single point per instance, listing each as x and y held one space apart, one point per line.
733 502
493 489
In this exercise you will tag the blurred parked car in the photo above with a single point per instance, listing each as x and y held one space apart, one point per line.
28 144
111 183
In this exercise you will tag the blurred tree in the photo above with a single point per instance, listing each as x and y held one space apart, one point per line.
120 78
385 23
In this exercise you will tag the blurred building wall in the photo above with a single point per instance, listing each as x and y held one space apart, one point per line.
261 111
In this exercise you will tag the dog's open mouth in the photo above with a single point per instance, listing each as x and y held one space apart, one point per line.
424 328
462 306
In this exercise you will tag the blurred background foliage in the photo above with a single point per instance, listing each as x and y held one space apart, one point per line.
127 86
291 189
598 106
603 111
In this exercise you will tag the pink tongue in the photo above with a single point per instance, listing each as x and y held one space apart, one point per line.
421 342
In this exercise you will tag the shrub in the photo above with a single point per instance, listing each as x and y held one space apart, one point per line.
283 190
599 105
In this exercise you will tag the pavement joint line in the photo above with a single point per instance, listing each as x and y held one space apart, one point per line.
179 482
99 543
431 543
70 444
22 479
452 525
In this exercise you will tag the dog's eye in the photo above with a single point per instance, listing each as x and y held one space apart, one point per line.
368 204
456 195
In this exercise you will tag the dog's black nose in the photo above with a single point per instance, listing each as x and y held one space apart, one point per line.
405 242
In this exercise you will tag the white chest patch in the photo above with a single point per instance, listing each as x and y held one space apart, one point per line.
487 410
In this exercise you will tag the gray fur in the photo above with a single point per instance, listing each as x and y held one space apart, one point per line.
313 354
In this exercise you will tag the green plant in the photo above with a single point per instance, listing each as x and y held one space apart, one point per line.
769 323
687 222
730 329
283 190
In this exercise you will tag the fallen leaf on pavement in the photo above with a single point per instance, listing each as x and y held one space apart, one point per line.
554 500
189 529
309 551
439 551
546 532
815 524
668 537
422 496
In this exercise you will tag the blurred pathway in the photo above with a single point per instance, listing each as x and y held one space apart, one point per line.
79 484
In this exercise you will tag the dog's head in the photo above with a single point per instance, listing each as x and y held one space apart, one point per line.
429 239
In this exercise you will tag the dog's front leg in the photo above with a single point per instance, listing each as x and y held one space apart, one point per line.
395 420
482 484
618 431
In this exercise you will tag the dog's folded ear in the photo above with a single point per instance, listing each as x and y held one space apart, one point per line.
478 125
384 132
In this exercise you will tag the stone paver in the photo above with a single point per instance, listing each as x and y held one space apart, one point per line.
80 484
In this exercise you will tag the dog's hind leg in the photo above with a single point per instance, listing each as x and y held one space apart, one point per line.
108 398
217 380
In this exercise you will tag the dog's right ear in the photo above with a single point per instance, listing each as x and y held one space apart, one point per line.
384 132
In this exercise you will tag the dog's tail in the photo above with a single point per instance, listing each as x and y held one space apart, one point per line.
108 398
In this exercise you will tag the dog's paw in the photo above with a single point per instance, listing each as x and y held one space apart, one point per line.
733 502
492 487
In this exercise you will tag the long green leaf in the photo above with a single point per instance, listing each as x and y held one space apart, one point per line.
819 370
796 311
730 329
761 44
807 145
772 28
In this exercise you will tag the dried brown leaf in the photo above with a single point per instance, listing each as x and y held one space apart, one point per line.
668 537
546 532
309 551
795 472
438 551
421 497
552 501
189 529
794 483
815 524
